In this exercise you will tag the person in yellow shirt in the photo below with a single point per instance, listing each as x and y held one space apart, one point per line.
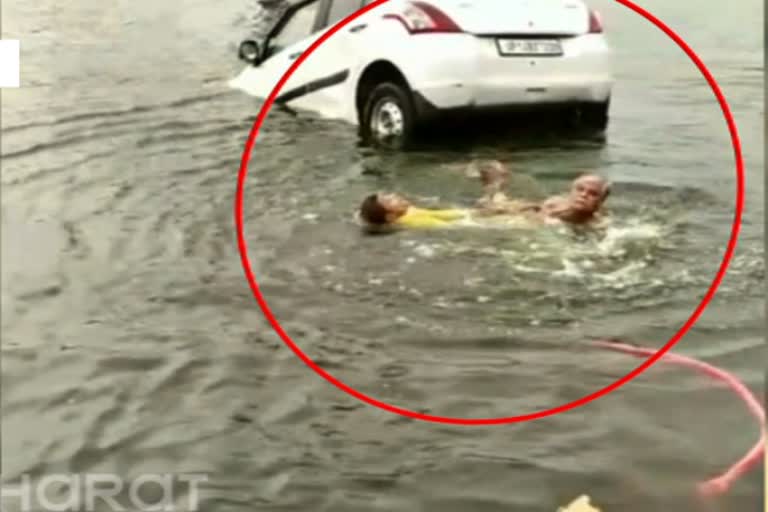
392 211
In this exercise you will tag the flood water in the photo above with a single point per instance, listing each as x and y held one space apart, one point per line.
132 343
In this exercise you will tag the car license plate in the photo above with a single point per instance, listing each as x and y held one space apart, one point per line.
519 47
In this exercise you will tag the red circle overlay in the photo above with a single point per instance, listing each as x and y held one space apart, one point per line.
511 419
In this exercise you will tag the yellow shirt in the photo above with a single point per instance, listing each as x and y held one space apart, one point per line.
424 218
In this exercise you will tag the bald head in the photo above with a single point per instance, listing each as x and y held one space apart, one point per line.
588 192
595 180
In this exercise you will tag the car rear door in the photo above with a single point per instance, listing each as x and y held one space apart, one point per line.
328 67
294 32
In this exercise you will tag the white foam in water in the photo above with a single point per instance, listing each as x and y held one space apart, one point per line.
425 251
627 275
570 269
604 261
616 238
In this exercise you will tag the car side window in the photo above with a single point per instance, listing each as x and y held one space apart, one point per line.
340 9
298 27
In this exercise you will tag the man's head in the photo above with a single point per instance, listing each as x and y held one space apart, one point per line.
380 209
588 192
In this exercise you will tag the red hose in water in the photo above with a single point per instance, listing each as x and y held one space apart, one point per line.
720 484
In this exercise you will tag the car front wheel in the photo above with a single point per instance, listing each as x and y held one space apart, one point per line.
388 117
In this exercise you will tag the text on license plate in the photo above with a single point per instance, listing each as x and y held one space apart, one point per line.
529 47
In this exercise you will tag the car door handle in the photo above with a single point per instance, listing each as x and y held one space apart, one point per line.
358 28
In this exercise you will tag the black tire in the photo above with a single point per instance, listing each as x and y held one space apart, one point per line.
594 116
397 101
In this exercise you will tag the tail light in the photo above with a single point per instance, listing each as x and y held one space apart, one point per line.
421 18
595 22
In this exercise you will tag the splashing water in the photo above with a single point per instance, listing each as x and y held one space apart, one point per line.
617 251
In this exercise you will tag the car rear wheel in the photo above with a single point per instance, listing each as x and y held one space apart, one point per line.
388 117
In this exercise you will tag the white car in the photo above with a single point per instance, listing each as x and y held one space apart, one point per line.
405 62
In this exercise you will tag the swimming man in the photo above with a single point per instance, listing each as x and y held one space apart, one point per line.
581 205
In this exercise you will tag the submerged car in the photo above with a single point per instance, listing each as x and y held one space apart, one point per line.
407 62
